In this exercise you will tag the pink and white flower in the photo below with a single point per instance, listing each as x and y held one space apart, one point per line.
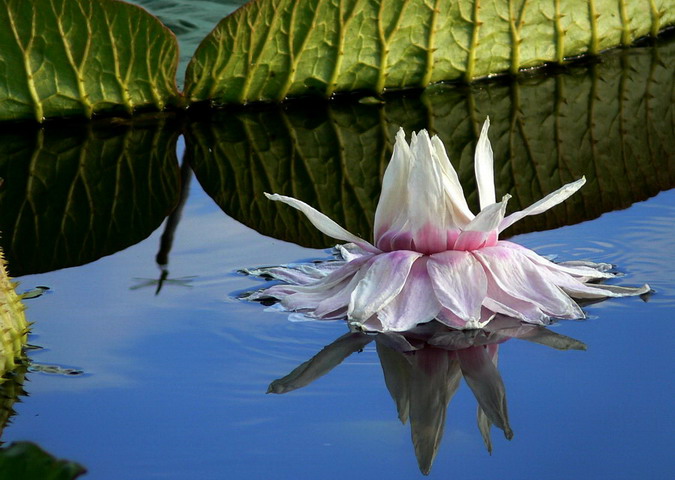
432 258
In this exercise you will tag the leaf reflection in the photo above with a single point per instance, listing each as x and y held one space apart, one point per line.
72 194
422 370
611 122
11 388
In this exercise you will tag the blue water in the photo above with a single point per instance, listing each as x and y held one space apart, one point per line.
174 384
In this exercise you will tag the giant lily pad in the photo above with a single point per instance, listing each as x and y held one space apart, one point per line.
74 193
82 57
272 49
190 21
611 122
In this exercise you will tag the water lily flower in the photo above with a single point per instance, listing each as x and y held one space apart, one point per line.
432 258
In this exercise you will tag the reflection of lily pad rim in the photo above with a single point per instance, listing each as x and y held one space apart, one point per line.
433 258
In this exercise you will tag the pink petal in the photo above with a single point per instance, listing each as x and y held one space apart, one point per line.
459 283
385 278
482 229
428 218
564 277
307 298
517 276
583 272
341 296
395 240
416 303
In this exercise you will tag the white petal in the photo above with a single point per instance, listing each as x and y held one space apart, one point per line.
459 283
549 201
489 217
484 167
322 222
394 187
426 210
454 194
384 280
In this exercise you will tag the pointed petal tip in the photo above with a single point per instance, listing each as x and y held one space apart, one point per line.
508 433
486 123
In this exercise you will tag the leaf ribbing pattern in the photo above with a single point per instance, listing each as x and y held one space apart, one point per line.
273 49
82 57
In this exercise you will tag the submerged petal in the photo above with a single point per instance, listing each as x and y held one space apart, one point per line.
322 222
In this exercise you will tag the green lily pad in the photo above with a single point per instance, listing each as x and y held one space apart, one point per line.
269 50
190 21
82 57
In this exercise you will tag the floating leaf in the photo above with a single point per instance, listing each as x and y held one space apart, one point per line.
190 21
611 121
273 49
74 193
83 57
27 461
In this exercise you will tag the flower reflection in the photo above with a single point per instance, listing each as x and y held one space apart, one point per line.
423 368
432 258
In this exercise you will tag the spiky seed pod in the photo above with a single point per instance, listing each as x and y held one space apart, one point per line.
13 324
